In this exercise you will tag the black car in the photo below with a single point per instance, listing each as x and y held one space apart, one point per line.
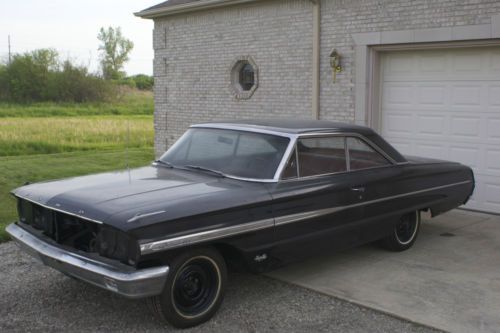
254 194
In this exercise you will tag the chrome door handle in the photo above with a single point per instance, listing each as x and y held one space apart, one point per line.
358 189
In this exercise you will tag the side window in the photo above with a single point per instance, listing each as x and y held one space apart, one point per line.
290 171
319 156
362 156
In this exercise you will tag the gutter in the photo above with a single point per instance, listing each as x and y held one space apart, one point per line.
316 58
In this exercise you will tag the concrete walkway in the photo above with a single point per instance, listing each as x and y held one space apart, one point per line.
449 280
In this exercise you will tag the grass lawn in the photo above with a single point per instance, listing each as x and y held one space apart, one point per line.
136 103
51 141
27 136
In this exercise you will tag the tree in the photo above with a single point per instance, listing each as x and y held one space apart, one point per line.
115 49
28 74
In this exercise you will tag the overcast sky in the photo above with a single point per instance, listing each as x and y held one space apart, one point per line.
71 27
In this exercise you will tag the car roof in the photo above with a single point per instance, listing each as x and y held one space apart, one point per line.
293 126
297 126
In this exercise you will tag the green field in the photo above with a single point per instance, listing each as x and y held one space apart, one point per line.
51 141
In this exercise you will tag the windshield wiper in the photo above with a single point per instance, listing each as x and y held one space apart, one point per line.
197 167
165 163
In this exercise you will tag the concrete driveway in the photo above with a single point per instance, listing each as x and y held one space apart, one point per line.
449 280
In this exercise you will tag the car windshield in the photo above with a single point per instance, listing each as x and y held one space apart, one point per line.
230 152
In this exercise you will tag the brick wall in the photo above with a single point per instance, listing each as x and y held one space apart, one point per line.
194 53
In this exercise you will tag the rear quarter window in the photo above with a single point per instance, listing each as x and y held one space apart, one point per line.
362 156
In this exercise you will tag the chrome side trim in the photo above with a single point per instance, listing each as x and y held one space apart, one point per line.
326 211
286 219
58 210
118 278
172 243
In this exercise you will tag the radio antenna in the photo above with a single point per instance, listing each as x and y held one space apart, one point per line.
126 151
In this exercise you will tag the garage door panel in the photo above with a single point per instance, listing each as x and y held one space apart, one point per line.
467 61
493 127
398 123
432 94
465 126
397 95
430 150
433 63
431 125
399 65
466 95
492 160
445 104
494 96
467 155
494 61
492 195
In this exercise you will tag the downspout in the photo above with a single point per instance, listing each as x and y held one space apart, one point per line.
316 57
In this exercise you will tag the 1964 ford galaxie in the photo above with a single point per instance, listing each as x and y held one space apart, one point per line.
251 193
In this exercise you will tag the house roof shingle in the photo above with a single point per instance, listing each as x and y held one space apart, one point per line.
171 7
169 3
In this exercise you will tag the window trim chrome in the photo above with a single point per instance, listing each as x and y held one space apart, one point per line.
345 135
294 137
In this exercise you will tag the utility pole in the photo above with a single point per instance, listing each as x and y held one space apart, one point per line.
9 51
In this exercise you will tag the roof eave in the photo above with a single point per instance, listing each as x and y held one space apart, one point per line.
187 7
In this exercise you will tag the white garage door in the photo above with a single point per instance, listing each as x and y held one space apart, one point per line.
445 104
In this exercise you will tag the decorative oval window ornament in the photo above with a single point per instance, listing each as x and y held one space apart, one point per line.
244 77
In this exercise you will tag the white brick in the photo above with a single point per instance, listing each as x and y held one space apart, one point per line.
199 48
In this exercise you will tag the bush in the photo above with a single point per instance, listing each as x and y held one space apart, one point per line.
40 76
143 82
75 84
128 81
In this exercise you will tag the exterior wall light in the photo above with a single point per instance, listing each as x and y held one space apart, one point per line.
335 64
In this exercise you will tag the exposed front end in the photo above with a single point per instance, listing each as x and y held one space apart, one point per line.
92 252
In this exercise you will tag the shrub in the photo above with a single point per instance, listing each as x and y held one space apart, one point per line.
74 84
128 81
39 76
143 82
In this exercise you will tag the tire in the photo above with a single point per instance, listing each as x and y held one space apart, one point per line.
194 289
404 234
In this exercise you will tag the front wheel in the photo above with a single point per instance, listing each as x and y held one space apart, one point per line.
194 289
404 233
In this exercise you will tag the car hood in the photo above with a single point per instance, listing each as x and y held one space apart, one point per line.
143 196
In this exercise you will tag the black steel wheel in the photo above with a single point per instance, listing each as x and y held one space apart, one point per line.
404 233
194 289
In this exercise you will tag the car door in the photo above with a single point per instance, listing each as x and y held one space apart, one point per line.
315 204
378 179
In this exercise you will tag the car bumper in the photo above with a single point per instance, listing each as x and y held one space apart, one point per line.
117 278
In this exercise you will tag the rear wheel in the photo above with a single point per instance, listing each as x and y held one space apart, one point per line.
194 289
404 234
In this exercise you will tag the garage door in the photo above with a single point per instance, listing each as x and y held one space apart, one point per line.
445 104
